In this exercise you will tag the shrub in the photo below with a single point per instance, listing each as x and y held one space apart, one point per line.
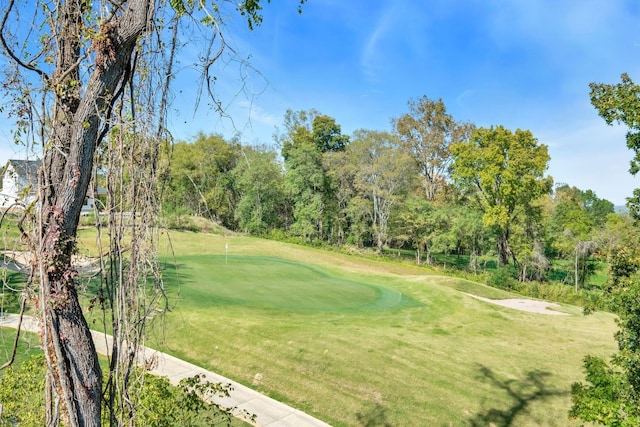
503 278
22 393
158 402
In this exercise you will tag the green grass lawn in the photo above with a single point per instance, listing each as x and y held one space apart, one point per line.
350 339
28 344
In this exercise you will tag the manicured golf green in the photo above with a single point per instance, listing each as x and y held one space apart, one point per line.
350 339
267 282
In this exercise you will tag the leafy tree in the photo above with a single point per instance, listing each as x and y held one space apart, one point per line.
341 173
597 209
426 133
503 172
187 404
572 228
327 134
611 394
197 178
83 71
383 177
527 240
414 221
310 137
320 129
620 103
259 181
444 238
358 213
535 263
469 233
617 231
305 185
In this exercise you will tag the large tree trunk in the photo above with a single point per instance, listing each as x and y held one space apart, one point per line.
430 186
78 122
504 250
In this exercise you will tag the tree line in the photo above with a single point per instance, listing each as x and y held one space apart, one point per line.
432 185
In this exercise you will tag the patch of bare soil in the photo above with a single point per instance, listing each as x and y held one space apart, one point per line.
529 305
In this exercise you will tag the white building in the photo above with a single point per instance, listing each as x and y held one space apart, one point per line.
20 182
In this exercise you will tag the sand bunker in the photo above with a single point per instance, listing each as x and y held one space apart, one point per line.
531 306
21 260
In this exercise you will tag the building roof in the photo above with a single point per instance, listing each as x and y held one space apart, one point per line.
27 168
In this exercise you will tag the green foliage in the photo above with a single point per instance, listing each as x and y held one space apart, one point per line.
259 182
413 222
570 232
612 393
633 204
320 130
11 286
621 103
159 403
602 400
358 211
179 6
163 405
309 139
305 185
426 133
503 278
350 219
576 216
559 292
250 9
624 263
179 220
22 393
383 174
504 173
597 209
197 178
327 134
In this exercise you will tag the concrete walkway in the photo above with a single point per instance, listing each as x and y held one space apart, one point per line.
270 413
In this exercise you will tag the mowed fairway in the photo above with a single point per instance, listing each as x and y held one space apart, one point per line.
349 339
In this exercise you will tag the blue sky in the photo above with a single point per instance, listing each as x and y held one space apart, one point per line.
519 63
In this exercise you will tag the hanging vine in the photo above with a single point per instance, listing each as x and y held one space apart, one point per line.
90 83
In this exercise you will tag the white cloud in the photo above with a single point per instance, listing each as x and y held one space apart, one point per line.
371 54
396 28
257 114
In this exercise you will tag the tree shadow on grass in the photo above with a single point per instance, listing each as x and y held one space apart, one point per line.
521 392
374 417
